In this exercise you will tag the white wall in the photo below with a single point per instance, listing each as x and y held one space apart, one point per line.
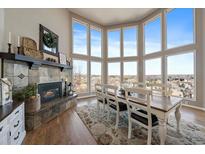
203 49
25 22
1 28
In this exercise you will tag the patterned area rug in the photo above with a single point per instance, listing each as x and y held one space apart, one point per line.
104 131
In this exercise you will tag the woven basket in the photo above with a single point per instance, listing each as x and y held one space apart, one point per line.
33 104
29 48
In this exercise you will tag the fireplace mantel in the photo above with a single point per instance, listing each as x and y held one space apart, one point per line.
33 63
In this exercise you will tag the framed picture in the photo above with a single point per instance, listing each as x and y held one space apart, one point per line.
48 41
62 58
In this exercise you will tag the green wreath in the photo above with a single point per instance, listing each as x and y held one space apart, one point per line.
50 40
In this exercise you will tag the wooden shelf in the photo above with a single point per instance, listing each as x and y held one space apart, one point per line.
33 63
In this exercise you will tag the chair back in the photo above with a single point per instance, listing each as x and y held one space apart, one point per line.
138 85
139 99
161 89
126 84
111 93
99 91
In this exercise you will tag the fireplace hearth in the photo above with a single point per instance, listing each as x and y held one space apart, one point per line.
50 91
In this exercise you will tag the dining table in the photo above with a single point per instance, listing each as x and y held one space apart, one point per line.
162 107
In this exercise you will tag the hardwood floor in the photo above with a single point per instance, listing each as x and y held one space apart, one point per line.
69 129
65 129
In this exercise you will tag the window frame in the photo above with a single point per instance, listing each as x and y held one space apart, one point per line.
120 70
144 68
137 40
166 11
194 70
88 58
82 93
100 30
136 62
87 36
101 75
112 30
152 19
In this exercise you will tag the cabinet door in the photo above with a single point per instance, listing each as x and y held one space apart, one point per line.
4 137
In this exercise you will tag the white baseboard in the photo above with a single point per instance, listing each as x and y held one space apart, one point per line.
194 107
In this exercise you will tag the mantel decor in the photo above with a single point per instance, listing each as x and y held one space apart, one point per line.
48 41
29 48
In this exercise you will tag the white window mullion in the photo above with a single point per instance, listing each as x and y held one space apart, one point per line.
121 55
89 59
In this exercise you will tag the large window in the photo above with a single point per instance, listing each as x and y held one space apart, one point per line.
114 43
79 38
95 74
114 73
153 71
152 36
180 27
95 36
86 73
181 74
130 41
130 72
80 76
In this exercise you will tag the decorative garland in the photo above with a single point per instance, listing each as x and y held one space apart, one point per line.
49 40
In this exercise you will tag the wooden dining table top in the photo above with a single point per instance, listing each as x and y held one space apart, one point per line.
162 103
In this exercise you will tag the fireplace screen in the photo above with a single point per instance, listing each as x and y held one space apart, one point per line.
50 91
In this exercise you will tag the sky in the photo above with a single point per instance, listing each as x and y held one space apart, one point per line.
179 32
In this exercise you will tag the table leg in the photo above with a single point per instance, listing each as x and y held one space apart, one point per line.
178 117
162 130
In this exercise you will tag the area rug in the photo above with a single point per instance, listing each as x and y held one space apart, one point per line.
104 132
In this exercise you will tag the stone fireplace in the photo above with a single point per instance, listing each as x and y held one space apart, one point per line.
50 91
50 80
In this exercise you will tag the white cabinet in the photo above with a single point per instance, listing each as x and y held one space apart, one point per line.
4 132
12 128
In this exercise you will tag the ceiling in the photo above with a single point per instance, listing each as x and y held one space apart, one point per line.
112 16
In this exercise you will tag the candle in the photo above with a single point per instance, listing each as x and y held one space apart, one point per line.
9 38
66 79
18 43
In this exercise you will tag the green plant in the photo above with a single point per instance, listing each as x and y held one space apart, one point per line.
25 93
30 90
18 96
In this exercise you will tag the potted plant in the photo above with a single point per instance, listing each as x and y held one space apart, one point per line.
29 96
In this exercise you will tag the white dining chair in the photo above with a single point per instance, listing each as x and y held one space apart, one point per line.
113 102
139 110
161 89
101 98
138 85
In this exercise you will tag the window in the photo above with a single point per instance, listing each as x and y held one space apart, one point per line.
114 43
153 71
130 72
114 73
95 36
80 76
180 27
95 74
79 38
130 41
181 74
152 35
86 73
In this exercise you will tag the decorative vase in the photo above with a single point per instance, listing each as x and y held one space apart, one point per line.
33 104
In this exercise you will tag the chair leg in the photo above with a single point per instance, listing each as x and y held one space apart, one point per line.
149 138
108 113
98 108
129 129
103 112
117 119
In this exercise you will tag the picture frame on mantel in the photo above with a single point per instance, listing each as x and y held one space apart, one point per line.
48 41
